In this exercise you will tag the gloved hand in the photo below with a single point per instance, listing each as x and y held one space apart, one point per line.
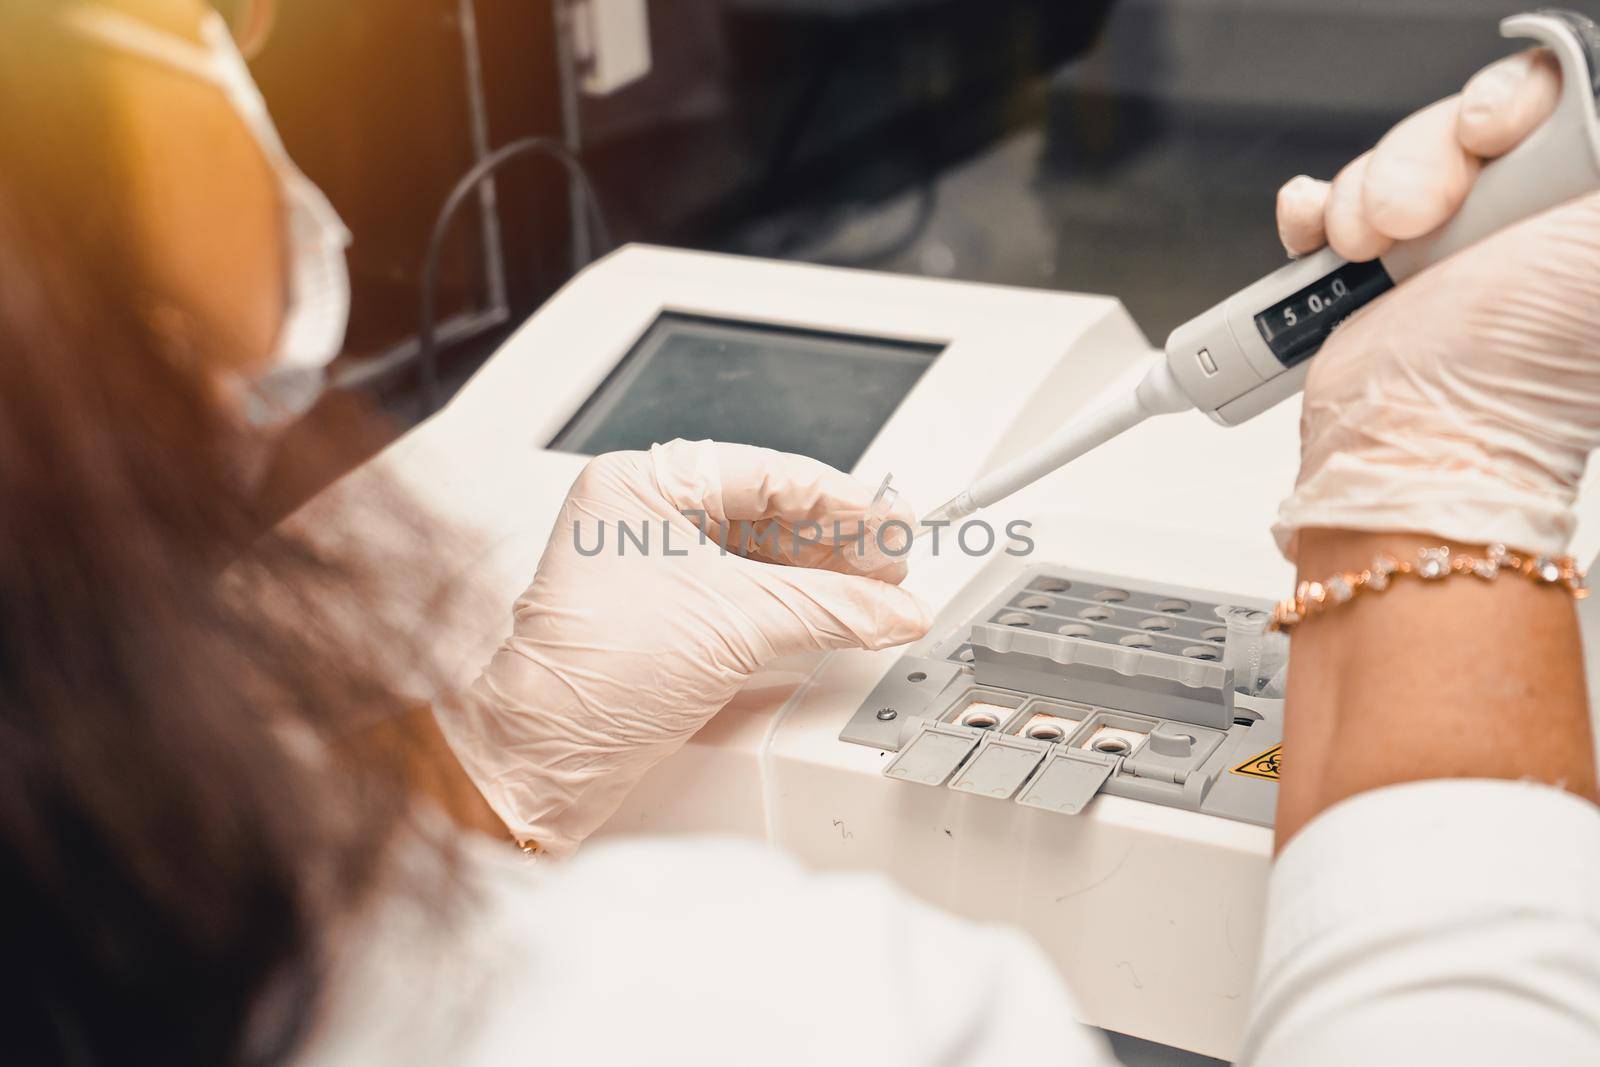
617 658
1465 402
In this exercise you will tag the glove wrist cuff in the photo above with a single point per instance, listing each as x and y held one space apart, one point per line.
1466 507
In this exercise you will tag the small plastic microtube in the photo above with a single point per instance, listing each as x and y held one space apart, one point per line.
1274 665
1244 650
866 553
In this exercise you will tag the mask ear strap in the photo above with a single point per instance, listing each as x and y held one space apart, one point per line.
124 33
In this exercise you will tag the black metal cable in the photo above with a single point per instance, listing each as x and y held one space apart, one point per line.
427 353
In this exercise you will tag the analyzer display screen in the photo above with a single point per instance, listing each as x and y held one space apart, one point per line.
819 394
1295 328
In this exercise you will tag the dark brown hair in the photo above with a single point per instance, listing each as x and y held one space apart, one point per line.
176 847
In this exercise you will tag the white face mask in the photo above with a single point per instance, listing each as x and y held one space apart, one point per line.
317 311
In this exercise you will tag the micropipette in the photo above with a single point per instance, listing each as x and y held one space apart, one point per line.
1254 349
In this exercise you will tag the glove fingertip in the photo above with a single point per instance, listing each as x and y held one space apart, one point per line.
1301 203
1506 101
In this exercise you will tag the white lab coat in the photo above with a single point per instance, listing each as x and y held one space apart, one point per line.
1443 922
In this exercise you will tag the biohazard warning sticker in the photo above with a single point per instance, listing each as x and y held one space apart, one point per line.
1265 765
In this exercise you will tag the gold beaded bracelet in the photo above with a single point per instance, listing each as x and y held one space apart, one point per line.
1430 565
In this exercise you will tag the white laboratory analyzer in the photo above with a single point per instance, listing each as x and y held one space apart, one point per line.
1070 749
1133 854
1088 742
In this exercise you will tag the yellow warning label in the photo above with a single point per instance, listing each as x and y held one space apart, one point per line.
1266 765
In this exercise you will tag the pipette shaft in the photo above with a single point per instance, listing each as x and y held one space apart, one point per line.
1148 389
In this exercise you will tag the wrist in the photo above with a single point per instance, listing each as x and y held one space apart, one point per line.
1325 550
1401 563
492 782
549 769
1460 678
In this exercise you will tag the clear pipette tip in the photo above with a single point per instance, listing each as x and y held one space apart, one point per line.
950 512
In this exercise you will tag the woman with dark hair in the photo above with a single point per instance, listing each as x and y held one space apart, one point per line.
230 832
220 832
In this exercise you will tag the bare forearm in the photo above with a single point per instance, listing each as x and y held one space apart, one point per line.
1461 678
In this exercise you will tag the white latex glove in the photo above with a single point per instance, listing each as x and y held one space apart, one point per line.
1465 402
616 660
